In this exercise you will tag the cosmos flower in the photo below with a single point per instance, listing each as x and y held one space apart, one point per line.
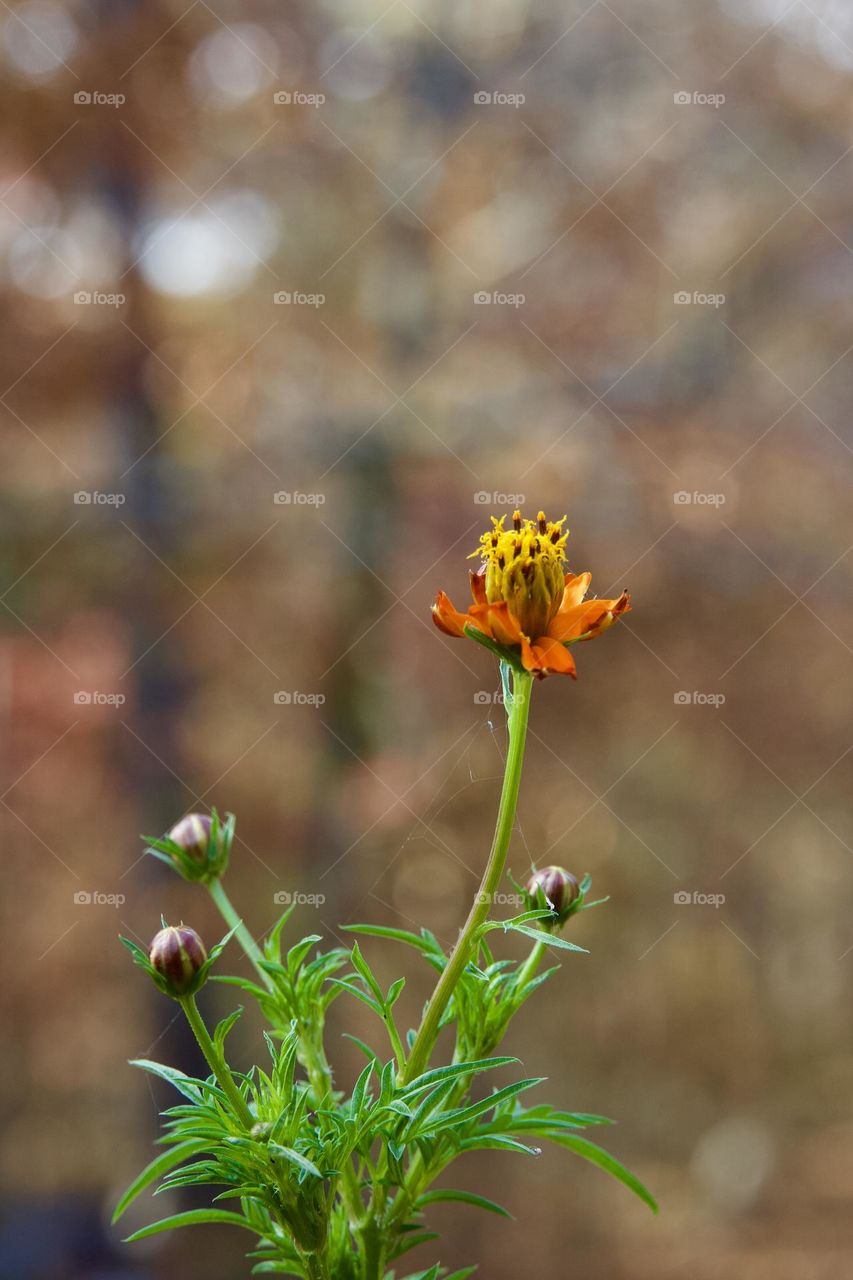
526 607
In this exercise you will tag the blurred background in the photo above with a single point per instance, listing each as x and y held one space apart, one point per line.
296 297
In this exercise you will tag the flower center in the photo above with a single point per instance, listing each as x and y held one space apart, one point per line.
525 566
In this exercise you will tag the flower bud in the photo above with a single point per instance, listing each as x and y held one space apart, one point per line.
560 889
192 834
177 955
197 847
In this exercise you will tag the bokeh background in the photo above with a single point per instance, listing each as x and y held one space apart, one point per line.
256 412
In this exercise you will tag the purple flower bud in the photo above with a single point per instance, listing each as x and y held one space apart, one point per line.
177 954
192 833
560 888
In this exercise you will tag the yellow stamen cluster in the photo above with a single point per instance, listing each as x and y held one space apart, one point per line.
525 566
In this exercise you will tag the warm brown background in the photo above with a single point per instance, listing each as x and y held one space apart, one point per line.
720 1037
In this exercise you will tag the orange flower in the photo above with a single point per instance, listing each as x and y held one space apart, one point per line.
526 607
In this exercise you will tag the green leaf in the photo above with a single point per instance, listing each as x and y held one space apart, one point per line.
224 1027
439 1074
287 1153
365 1048
192 1218
451 1119
549 939
183 1083
359 995
398 935
366 972
159 1165
497 1142
597 1155
465 1197
412 1242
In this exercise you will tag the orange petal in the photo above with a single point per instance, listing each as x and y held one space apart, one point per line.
448 618
576 588
589 619
497 622
553 657
529 658
570 623
478 585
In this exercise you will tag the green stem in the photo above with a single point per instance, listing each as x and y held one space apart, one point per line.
428 1031
251 948
531 964
216 1062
